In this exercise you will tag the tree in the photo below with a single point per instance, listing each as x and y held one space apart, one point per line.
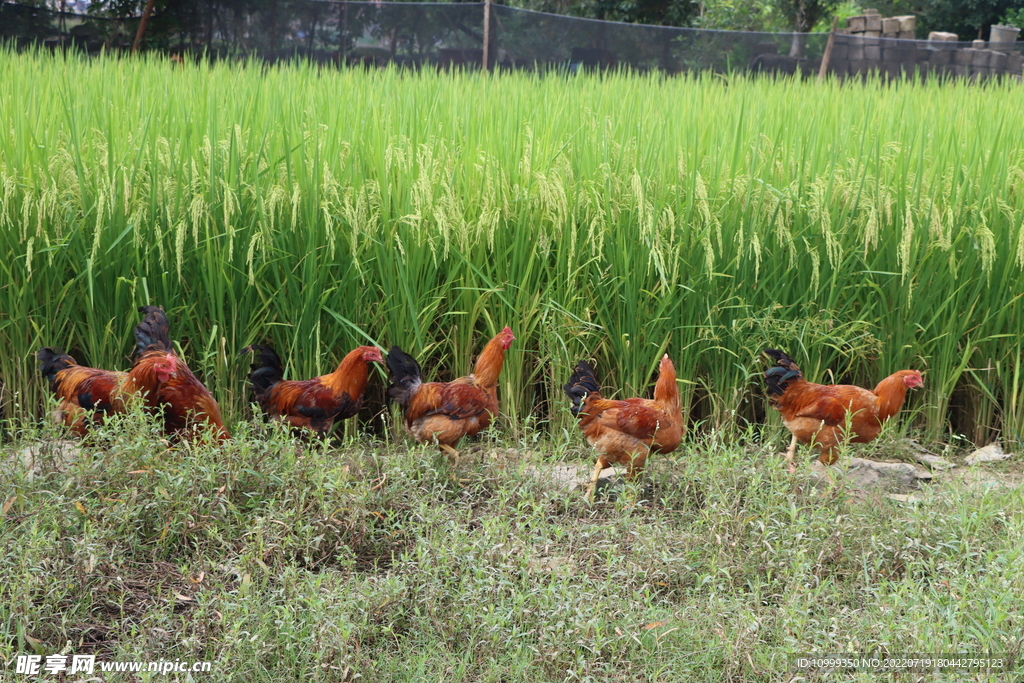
802 16
969 19
654 12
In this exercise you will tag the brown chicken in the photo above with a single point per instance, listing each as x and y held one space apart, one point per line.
444 412
86 395
314 404
626 431
821 414
168 385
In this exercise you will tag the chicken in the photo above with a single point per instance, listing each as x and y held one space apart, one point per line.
626 431
444 412
820 414
86 395
314 404
168 385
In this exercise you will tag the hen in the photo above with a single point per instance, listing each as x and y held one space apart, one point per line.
317 403
444 412
626 431
168 384
820 414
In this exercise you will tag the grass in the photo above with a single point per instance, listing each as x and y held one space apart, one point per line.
864 228
280 562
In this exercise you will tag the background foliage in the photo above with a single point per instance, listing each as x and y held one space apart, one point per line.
969 19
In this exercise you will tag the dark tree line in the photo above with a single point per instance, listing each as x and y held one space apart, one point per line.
196 21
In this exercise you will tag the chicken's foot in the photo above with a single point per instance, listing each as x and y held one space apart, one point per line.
454 462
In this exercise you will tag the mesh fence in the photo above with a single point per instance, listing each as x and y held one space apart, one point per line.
452 35
530 39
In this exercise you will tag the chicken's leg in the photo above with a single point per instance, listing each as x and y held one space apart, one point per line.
790 454
454 462
598 466
453 453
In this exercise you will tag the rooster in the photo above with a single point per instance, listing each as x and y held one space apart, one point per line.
821 414
168 385
317 403
626 431
86 395
444 412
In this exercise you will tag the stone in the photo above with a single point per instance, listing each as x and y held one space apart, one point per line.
872 53
998 60
839 67
908 23
940 57
978 44
870 11
906 35
990 453
904 498
839 53
934 462
861 473
980 58
872 33
856 53
1015 63
941 36
891 25
872 22
856 24
46 455
964 57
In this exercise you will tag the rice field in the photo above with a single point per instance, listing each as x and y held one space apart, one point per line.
864 228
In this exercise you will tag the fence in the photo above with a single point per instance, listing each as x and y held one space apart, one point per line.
449 35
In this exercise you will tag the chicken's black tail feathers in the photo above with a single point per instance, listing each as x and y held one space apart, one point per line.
582 383
782 374
406 376
154 332
266 369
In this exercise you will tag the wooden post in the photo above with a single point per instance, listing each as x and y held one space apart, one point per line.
142 25
827 57
487 33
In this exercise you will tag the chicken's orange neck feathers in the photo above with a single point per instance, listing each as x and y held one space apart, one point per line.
351 375
891 393
488 365
666 393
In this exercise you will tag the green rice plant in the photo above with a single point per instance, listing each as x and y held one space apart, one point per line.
862 227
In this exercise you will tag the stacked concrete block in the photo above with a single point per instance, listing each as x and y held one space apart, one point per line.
899 28
872 43
1015 63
